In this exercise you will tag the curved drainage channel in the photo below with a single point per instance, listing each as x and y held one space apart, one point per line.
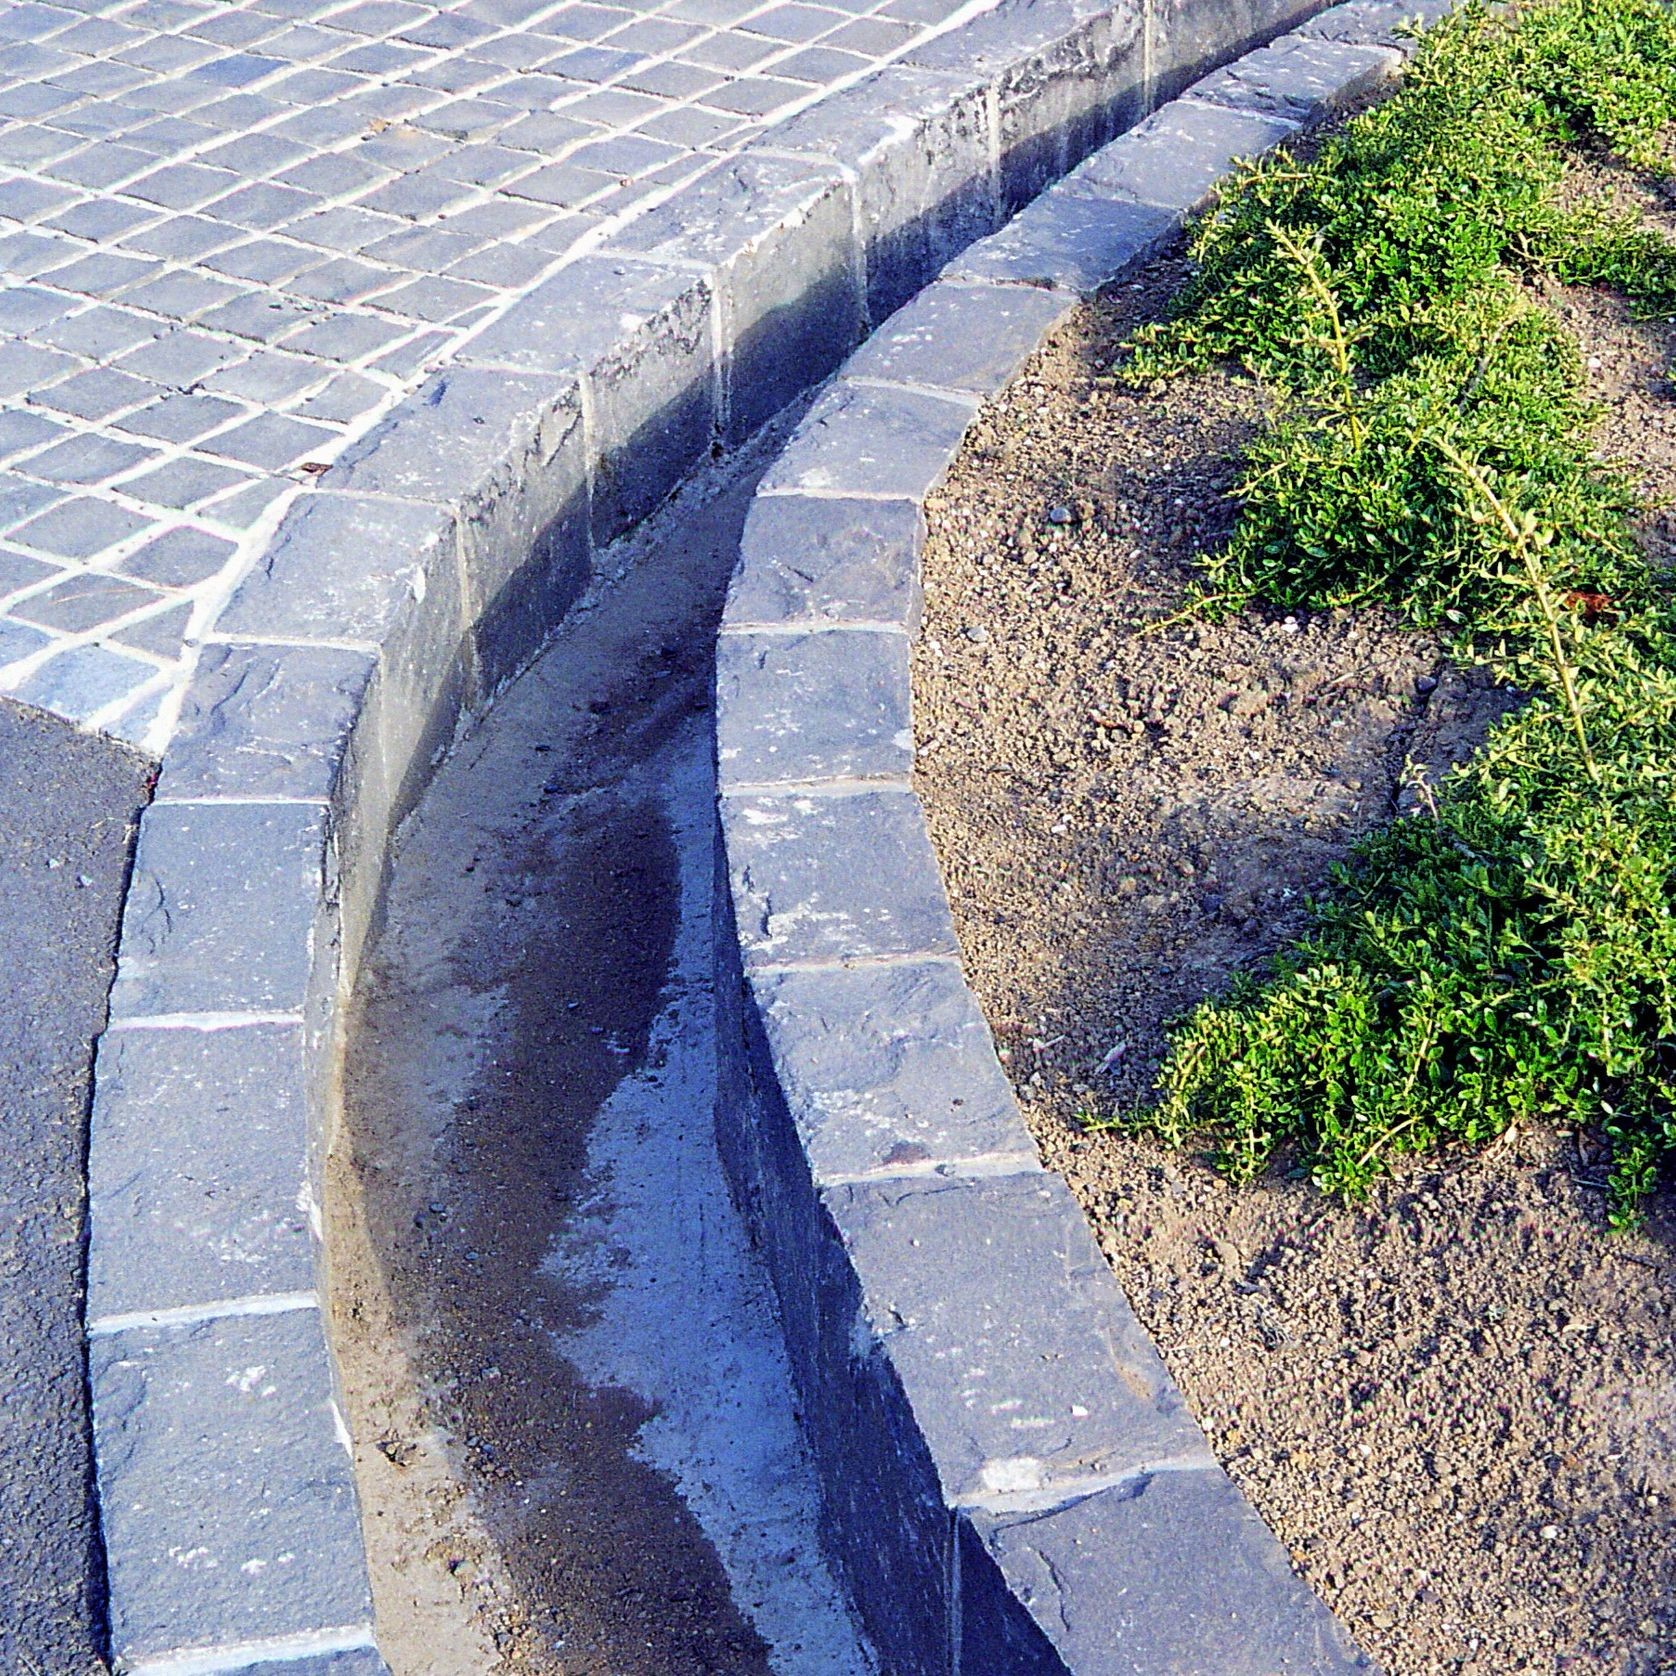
593 1459
401 594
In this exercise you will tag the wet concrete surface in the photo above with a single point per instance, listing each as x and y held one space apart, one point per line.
576 1436
69 802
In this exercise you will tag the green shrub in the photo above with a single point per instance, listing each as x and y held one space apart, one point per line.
1511 952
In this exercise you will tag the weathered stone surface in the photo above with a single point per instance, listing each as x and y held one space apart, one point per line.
833 703
221 909
889 1070
1169 1572
227 1497
1298 78
342 567
1073 243
1387 23
1176 157
869 440
265 721
817 558
362 1661
971 338
1189 37
919 142
830 876
778 236
1024 1365
196 1168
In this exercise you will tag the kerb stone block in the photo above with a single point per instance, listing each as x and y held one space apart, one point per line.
889 1070
1299 78
778 236
1074 244
1170 1571
832 876
833 703
197 1167
816 558
226 1493
1018 1404
866 439
222 909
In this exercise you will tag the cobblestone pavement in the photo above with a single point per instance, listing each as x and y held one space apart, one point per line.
232 235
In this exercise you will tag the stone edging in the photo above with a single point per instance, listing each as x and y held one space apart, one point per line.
421 572
1013 1481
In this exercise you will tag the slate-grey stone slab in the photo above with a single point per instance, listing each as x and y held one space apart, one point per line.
1075 243
1298 77
1172 1571
1014 1402
832 703
1390 23
778 235
970 338
228 1499
817 558
889 1070
1178 155
221 909
919 141
834 876
197 1168
868 439
341 566
362 1661
265 722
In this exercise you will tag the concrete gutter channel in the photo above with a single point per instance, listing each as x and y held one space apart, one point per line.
943 1302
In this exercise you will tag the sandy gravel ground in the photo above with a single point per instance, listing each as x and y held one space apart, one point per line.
1456 1404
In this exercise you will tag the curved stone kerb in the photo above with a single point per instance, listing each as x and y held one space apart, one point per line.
415 576
1036 1497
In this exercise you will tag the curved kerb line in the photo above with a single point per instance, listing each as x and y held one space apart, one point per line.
993 1359
419 575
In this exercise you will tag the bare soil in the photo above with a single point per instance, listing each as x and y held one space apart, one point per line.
1455 1404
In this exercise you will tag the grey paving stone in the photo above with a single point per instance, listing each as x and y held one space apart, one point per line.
20 431
220 914
219 1463
834 876
269 261
183 295
182 186
197 1168
20 500
163 633
180 558
807 558
364 1662
778 236
27 308
88 459
82 603
1170 1572
826 704
960 337
348 397
1298 77
862 439
270 442
180 417
1175 158
102 274
184 482
346 338
97 394
17 571
1013 1403
80 682
265 722
29 366
19 641
180 357
1074 243
889 1070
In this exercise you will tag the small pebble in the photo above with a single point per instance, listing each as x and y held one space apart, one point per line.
976 633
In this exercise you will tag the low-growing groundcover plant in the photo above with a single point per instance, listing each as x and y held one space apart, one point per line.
1508 952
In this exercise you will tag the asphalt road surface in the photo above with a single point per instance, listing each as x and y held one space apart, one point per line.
68 806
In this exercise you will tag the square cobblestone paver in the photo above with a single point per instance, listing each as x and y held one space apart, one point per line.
246 229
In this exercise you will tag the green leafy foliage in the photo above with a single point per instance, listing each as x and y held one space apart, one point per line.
1510 952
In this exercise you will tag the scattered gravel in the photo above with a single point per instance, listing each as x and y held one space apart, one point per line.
1456 1405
